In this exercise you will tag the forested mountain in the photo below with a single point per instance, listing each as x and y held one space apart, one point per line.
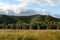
34 20
26 19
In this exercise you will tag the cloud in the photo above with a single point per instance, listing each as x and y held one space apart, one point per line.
24 3
44 2
29 11
15 8
23 9
4 6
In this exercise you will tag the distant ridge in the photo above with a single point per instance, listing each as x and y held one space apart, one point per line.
13 19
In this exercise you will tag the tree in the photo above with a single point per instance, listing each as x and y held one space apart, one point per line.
12 26
1 26
18 25
34 21
48 19
7 26
58 25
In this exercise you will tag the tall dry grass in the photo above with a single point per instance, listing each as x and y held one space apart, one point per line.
29 34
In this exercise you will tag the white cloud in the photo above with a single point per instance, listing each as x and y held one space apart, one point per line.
15 8
4 6
44 2
24 3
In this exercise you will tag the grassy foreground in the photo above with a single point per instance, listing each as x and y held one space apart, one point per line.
29 34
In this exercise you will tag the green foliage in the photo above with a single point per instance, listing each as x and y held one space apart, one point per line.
44 21
19 24
35 20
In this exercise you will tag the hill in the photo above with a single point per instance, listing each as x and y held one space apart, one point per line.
25 19
28 20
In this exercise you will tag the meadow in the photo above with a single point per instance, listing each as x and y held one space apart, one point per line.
6 34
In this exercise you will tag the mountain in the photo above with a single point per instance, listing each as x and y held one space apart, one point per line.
8 19
44 21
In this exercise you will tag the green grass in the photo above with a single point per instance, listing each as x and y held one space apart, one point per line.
29 34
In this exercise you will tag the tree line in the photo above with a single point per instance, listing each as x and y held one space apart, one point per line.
37 25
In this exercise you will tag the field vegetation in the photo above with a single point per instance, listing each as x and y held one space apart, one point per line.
7 34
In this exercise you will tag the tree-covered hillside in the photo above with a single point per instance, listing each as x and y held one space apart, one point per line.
43 21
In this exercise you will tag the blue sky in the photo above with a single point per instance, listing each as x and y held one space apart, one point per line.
10 1
17 6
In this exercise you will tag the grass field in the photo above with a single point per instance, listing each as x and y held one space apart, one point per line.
29 34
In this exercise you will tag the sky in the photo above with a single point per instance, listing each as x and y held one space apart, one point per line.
30 7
